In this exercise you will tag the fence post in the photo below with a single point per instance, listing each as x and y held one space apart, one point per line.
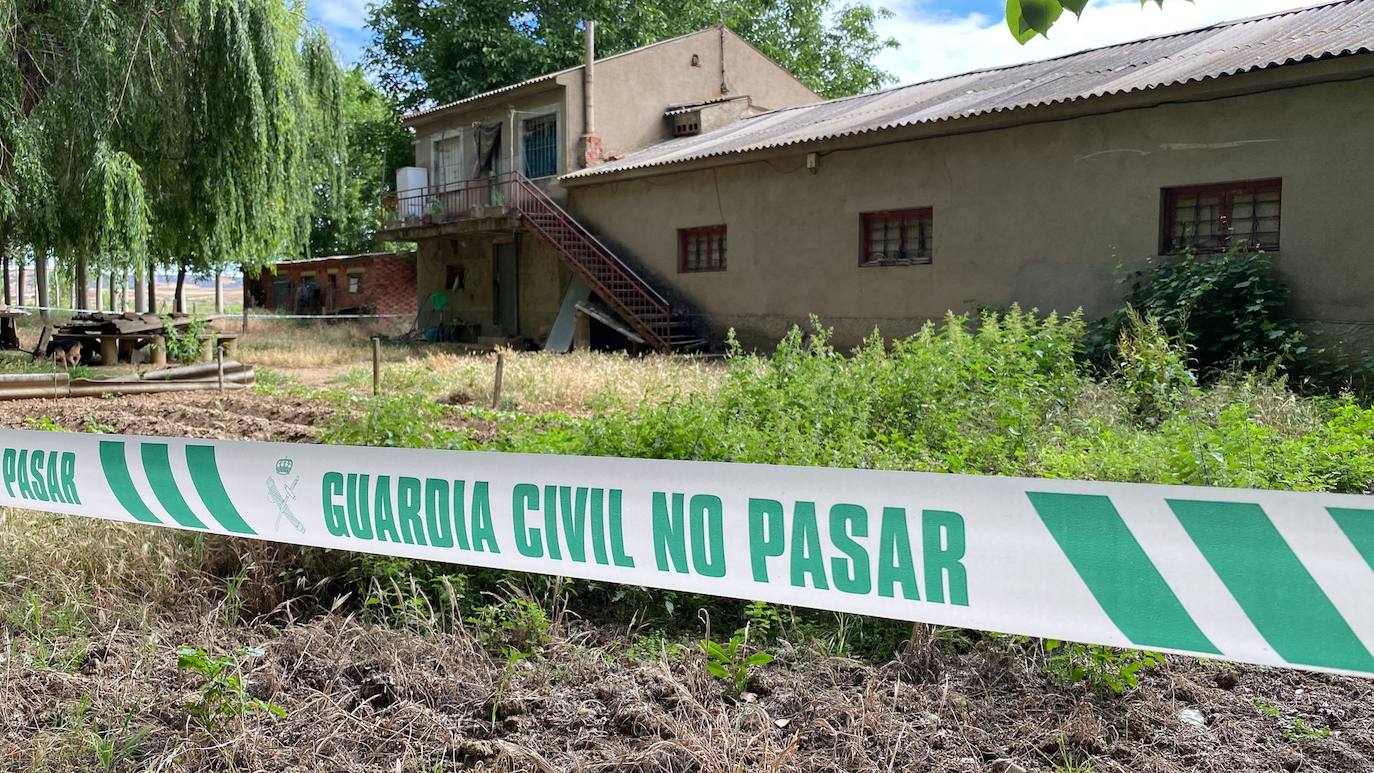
496 388
219 362
376 365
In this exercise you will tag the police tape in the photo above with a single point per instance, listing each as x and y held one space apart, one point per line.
1266 577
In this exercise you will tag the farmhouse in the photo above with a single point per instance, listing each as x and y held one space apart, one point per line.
370 283
710 190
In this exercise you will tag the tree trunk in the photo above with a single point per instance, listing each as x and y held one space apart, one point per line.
140 304
219 292
112 292
5 259
81 294
152 287
40 276
81 284
21 281
179 301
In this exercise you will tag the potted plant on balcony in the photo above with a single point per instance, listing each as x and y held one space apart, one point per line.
436 211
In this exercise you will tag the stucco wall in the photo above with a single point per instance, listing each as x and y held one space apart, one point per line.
541 281
473 303
1040 214
632 90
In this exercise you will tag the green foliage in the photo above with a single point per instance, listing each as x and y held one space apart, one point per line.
1028 18
952 398
1229 310
43 423
111 745
1295 729
224 691
55 635
733 663
1152 368
396 422
144 132
184 344
348 210
443 50
516 624
1102 668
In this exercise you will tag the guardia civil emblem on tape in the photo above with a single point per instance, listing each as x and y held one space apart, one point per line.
1269 577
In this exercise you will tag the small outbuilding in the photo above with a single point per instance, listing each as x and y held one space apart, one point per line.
370 283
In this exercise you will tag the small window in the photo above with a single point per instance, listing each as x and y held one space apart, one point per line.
355 281
1214 218
455 276
541 146
899 237
701 249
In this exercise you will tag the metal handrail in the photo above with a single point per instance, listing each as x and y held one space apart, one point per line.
530 201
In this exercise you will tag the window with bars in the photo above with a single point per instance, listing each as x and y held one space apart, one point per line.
898 237
701 249
1214 218
541 146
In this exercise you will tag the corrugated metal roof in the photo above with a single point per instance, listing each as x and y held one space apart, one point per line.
680 109
1230 48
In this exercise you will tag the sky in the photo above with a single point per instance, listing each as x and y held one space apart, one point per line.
946 37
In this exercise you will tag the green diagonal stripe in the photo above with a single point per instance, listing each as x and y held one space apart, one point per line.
158 468
1286 605
116 469
205 477
1358 526
1118 573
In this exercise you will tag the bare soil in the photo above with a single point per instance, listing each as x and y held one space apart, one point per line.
246 415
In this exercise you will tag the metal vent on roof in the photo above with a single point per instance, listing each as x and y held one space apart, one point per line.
687 124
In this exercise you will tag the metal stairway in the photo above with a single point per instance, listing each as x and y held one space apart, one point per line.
642 307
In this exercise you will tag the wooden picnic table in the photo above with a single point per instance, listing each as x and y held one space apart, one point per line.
113 346
117 336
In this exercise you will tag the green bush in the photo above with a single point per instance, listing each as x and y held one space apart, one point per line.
396 422
1152 369
1229 309
956 397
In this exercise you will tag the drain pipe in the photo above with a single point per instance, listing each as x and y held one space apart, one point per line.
592 153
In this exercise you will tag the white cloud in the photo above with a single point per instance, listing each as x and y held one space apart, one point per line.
936 44
346 14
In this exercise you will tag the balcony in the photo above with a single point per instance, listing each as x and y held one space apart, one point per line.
473 206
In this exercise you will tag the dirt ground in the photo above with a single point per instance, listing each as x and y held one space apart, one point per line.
244 415
360 697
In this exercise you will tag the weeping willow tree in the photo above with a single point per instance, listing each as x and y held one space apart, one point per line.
175 133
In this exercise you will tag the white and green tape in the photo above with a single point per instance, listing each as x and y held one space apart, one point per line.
1268 577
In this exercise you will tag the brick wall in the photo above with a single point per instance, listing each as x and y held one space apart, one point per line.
387 285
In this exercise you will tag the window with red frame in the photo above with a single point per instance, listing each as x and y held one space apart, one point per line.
701 249
898 237
1214 218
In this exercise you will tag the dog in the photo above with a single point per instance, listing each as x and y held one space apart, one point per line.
65 352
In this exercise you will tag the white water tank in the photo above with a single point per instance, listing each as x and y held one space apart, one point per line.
411 182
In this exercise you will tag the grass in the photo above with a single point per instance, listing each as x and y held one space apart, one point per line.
540 381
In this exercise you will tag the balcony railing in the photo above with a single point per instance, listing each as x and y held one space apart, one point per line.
487 197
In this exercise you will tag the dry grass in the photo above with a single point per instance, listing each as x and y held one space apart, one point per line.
539 382
302 344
